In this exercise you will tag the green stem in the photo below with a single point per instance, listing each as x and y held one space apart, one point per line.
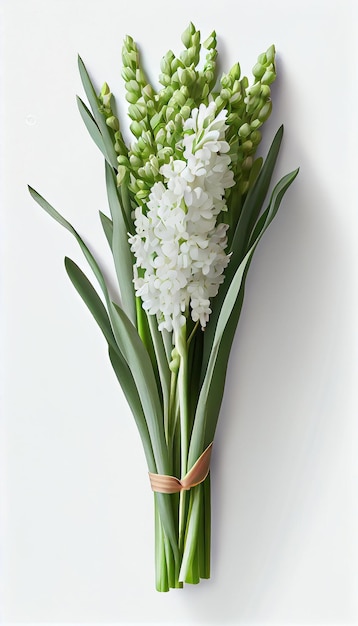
181 346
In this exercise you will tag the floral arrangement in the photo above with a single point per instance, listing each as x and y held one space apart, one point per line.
186 214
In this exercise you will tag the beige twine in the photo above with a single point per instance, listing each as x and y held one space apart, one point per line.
170 484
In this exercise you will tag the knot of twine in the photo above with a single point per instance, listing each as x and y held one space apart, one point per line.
170 484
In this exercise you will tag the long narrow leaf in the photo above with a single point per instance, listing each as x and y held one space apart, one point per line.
239 244
92 127
140 365
127 383
91 298
107 226
128 341
130 345
203 409
122 256
125 378
98 116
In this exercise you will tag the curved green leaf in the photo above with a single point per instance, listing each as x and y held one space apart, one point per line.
223 336
107 226
98 116
239 244
91 298
92 127
122 256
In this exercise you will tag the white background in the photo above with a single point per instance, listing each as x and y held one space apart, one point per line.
76 520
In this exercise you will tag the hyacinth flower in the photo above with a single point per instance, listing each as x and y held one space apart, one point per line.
187 199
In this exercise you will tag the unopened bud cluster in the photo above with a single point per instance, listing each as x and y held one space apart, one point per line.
158 168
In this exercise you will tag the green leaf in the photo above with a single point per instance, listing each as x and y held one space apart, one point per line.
205 419
61 220
122 371
140 365
98 116
254 201
122 256
140 368
129 344
92 300
107 226
239 245
127 383
92 127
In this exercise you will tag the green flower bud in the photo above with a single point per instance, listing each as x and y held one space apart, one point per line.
165 64
160 137
196 40
121 175
226 81
178 99
169 112
175 64
135 161
119 145
131 97
265 111
265 92
142 194
185 112
210 42
132 85
123 160
137 111
268 77
185 57
235 71
140 77
154 164
165 79
255 137
136 129
165 153
187 35
258 70
170 127
219 103
209 75
225 94
128 74
130 59
231 119
270 54
147 138
175 361
244 131
262 58
185 91
205 91
236 98
247 146
254 90
247 163
112 122
147 92
156 119
142 184
255 124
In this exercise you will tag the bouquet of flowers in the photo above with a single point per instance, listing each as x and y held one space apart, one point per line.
186 214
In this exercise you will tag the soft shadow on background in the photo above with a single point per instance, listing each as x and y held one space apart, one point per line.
77 539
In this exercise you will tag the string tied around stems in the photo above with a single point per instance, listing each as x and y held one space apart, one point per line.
163 483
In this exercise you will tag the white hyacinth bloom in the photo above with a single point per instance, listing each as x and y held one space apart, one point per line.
178 245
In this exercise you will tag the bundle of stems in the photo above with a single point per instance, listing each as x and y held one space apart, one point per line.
195 130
